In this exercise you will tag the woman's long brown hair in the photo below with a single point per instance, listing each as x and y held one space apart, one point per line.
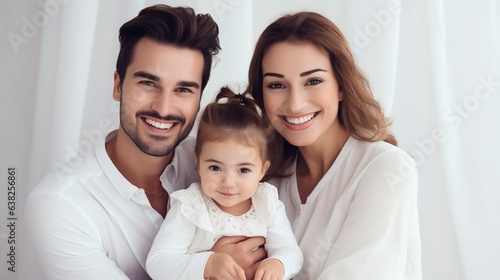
359 112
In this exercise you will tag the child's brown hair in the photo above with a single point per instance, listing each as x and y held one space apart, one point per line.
234 116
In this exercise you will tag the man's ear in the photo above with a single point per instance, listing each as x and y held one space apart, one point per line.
116 87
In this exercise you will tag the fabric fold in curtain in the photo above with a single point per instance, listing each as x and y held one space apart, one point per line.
65 58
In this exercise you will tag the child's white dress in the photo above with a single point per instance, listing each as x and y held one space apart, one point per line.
212 223
194 223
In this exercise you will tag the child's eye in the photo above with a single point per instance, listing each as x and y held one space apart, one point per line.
245 170
214 168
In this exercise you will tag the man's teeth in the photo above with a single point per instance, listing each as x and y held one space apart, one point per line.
300 120
159 124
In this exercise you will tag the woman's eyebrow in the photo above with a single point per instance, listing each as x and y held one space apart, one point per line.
273 75
312 71
306 73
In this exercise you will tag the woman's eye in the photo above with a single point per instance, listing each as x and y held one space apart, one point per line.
276 86
214 168
314 81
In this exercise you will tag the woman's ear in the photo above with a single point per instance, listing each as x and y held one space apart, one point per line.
116 87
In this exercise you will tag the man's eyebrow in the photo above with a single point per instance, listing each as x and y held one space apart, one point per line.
152 77
192 84
146 75
306 73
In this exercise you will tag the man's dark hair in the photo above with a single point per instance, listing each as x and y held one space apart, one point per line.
176 26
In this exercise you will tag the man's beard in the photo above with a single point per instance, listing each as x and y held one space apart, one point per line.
163 145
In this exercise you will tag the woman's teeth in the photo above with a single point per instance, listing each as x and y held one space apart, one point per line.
300 120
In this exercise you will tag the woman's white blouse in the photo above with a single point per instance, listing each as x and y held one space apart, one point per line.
360 221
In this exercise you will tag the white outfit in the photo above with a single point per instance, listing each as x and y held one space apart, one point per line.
89 222
194 224
360 221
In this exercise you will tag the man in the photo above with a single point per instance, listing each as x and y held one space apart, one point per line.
99 221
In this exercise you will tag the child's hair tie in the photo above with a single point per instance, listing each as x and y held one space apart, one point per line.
241 98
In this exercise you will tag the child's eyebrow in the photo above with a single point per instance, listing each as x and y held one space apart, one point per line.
219 162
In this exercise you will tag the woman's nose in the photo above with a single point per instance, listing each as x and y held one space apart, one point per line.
297 99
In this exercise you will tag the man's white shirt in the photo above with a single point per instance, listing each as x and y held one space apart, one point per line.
89 222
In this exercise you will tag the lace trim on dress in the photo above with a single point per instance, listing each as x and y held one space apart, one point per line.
202 211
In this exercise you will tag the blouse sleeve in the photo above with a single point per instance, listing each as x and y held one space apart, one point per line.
168 258
380 236
280 241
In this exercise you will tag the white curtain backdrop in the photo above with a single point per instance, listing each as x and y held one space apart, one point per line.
433 64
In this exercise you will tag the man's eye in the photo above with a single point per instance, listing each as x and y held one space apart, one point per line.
148 83
184 89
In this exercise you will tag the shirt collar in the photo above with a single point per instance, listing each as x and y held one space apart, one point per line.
170 173
120 183
181 171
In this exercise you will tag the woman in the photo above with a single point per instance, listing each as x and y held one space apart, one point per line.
349 192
